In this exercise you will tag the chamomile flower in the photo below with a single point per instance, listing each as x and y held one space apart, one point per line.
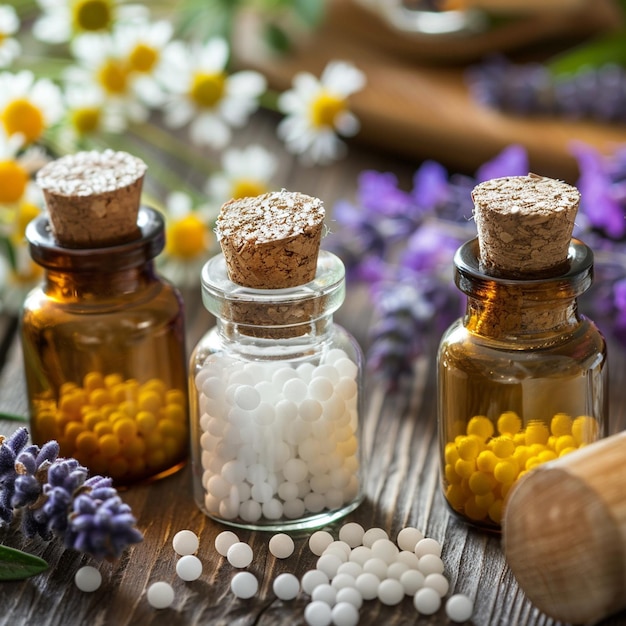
101 64
9 25
246 172
317 112
62 20
188 240
28 106
142 45
203 94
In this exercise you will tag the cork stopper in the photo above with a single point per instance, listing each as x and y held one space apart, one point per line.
93 197
525 225
271 241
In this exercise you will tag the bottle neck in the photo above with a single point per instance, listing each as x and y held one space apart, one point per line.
527 311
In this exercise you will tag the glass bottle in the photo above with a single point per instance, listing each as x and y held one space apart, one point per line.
522 379
104 355
275 394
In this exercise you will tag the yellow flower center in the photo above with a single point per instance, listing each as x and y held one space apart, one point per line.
143 58
22 116
186 237
207 89
92 15
13 181
325 109
26 212
247 188
113 76
85 120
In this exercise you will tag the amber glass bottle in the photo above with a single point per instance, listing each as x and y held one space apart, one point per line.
104 355
522 380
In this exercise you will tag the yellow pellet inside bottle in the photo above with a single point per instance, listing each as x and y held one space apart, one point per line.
482 464
118 427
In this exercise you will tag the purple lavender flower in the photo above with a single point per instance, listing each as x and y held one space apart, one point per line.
57 497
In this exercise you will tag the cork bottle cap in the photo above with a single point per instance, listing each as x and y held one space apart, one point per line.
524 224
93 197
271 241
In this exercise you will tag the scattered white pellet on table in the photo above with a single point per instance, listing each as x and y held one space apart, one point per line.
351 568
244 585
459 607
286 586
340 581
311 579
386 550
224 540
344 614
281 545
360 555
319 541
412 580
390 591
373 534
351 595
189 567
329 564
396 569
185 542
438 582
376 566
352 533
88 578
325 593
408 537
426 601
427 546
430 564
367 585
317 614
239 555
160 595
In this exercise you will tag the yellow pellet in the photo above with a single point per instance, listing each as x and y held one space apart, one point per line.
455 496
67 388
450 475
87 442
486 461
149 401
451 453
495 511
72 430
109 445
155 458
536 432
103 428
561 424
480 426
134 447
584 429
506 471
509 423
125 428
464 468
146 422
93 380
170 428
485 501
174 412
565 451
128 407
503 446
175 396
112 380
532 462
481 484
468 448
154 384
473 511
547 455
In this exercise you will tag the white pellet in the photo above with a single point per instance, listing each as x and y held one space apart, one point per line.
352 532
325 593
367 585
438 582
88 578
376 566
396 569
408 537
459 608
412 580
247 397
185 542
244 585
351 595
351 568
430 564
319 541
341 546
385 549
427 546
408 558
224 540
360 554
189 567
426 601
317 614
345 614
390 592
160 595
239 555
312 578
329 564
286 586
372 535
340 581
281 546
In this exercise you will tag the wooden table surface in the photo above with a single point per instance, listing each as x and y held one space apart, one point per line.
401 490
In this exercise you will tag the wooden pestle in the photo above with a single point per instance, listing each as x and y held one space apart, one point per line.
564 533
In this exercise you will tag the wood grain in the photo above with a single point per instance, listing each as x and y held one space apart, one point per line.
402 489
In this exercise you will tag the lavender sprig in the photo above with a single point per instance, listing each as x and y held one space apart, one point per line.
56 496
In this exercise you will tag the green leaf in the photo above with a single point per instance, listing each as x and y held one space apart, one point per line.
277 38
17 565
310 12
608 49
13 418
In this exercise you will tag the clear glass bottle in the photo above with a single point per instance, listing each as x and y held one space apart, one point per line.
104 355
522 379
275 393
